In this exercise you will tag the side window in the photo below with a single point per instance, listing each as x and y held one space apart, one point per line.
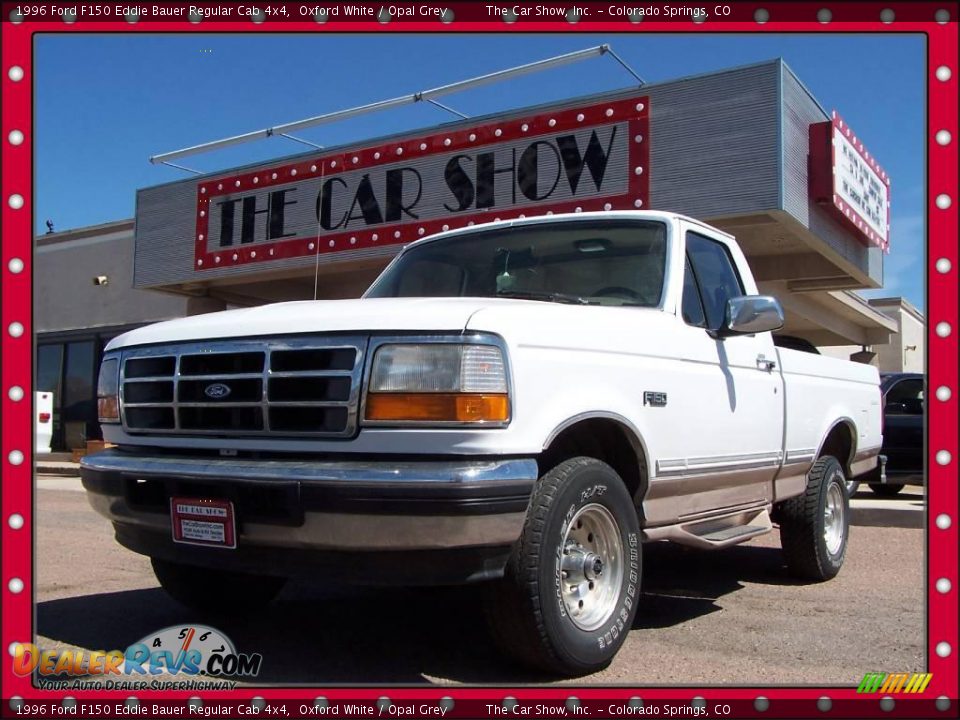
905 398
716 276
692 308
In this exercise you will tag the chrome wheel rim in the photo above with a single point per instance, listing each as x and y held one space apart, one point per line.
833 517
591 566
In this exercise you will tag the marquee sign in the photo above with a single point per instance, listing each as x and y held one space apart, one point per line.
847 180
593 157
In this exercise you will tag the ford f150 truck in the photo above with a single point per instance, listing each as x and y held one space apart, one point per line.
525 402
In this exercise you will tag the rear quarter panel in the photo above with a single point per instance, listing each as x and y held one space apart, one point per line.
820 393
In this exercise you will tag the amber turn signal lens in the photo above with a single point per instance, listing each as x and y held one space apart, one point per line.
438 407
108 409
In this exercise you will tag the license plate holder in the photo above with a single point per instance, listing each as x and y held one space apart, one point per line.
209 522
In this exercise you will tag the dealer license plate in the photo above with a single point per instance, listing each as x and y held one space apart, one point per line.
203 521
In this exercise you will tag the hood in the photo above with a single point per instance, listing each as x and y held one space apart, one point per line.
369 315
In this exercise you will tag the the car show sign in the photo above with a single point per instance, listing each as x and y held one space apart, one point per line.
567 159
847 180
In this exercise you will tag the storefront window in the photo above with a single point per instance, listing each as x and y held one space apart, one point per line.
49 374
79 404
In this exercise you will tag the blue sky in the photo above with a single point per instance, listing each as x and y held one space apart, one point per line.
105 103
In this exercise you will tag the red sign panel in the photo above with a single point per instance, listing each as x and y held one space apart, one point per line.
849 183
572 159
203 521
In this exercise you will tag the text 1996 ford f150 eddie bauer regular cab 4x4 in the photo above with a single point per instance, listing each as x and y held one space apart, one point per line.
525 402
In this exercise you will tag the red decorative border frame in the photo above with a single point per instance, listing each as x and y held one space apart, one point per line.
823 183
942 351
634 110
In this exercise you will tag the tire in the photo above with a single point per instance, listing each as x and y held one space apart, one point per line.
815 526
218 592
886 490
538 613
852 487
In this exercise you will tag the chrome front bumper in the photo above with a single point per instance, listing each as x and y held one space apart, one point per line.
322 505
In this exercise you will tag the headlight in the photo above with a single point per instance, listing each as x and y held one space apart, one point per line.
438 382
108 385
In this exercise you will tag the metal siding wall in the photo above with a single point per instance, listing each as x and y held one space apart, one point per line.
714 151
799 112
713 144
65 297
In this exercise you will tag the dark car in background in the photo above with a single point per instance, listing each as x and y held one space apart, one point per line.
904 395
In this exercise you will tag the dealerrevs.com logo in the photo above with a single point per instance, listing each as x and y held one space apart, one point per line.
190 653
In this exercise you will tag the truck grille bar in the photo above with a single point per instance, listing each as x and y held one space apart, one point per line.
271 387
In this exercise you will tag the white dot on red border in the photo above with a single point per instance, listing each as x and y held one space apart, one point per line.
15 393
944 266
15 329
943 201
15 521
15 73
943 521
944 585
943 73
943 393
944 649
15 585
943 137
15 266
15 201
15 137
943 457
943 329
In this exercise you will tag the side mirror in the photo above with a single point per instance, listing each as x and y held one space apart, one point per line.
750 314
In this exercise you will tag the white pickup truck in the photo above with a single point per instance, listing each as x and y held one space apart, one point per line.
524 402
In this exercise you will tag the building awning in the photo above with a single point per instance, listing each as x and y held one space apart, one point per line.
831 318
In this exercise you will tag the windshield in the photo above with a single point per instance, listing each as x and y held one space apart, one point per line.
597 262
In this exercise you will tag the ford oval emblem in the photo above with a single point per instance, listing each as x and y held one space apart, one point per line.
216 391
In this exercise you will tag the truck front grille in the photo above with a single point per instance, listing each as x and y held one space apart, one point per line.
277 387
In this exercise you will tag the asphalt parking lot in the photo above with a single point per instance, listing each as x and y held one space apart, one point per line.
730 617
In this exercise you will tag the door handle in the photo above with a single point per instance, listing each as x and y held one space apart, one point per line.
765 364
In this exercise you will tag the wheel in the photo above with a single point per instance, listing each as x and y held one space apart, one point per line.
571 586
814 527
886 490
215 591
852 487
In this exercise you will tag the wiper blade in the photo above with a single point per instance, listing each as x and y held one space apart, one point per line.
543 295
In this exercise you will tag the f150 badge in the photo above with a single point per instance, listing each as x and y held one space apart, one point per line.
654 399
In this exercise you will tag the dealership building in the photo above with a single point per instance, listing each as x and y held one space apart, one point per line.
749 150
